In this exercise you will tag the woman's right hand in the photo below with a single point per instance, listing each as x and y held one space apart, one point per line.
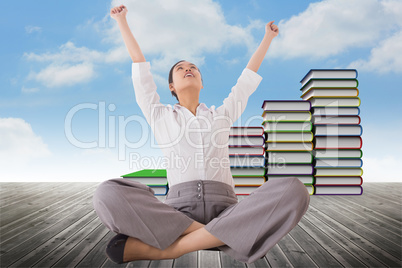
118 12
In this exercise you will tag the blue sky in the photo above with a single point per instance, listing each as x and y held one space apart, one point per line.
67 105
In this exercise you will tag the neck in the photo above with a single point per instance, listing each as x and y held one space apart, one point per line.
190 102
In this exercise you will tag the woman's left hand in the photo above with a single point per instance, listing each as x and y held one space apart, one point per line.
271 29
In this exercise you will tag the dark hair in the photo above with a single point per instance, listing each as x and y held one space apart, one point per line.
170 80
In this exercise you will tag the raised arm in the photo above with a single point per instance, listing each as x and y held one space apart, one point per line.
271 31
119 14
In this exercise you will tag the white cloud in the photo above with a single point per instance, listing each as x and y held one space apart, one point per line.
381 169
18 143
387 57
29 90
331 27
64 75
31 29
174 30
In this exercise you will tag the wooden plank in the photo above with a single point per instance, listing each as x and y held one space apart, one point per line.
296 254
323 231
325 251
277 258
344 216
209 259
187 260
34 227
355 238
22 209
137 264
161 263
56 234
97 256
228 262
261 263
384 188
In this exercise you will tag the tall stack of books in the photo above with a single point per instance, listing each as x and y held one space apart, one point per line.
288 140
337 131
154 178
246 155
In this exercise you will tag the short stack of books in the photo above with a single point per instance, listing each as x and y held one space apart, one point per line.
337 131
246 155
154 178
288 140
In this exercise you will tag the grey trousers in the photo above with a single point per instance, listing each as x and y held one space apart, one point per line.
249 228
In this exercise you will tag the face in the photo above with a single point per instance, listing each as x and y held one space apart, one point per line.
186 76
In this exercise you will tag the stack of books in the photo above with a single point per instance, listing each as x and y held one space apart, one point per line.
246 155
288 140
154 178
337 131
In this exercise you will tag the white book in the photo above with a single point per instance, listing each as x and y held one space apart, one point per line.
335 102
286 105
288 126
346 120
338 172
338 142
338 130
335 153
246 150
149 180
246 131
239 181
330 74
246 140
304 179
289 137
289 157
247 172
335 111
338 180
289 146
335 162
329 83
284 169
286 116
246 161
338 190
330 92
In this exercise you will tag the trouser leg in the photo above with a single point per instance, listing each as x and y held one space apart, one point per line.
130 208
254 225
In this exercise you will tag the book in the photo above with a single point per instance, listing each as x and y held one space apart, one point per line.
330 92
150 177
247 171
249 181
338 162
246 131
335 111
336 120
335 153
355 180
290 126
244 190
246 140
289 157
335 102
328 172
289 146
247 161
286 105
338 142
305 179
290 137
292 116
246 150
338 190
338 130
329 74
329 83
289 169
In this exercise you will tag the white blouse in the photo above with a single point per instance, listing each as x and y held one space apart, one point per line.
194 147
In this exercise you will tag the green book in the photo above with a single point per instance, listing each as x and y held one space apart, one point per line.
150 177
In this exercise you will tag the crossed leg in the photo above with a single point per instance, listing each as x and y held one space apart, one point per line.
194 238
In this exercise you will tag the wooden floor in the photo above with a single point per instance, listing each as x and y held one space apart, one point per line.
54 225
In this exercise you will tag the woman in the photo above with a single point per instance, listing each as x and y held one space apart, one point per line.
201 210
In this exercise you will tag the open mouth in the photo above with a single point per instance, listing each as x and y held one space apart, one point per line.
189 75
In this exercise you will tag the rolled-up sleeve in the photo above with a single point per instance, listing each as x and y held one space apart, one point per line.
145 90
235 104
